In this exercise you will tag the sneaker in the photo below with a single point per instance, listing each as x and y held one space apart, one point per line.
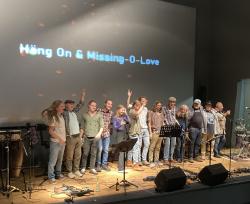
172 161
83 170
158 163
140 163
217 156
78 173
71 175
93 171
198 159
98 168
166 162
106 168
190 160
52 181
138 168
129 163
60 176
145 163
122 171
152 165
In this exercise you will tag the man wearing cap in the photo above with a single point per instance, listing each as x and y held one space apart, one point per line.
74 136
196 126
220 130
209 122
169 112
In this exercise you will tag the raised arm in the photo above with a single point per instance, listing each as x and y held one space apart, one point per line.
129 97
81 102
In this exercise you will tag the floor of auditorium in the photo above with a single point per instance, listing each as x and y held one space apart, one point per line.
44 191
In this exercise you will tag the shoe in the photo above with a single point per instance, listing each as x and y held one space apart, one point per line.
83 170
179 160
152 165
190 160
172 161
60 176
78 173
140 163
106 168
71 175
166 162
198 159
203 158
137 167
129 163
158 163
98 168
93 171
217 156
145 163
122 171
52 181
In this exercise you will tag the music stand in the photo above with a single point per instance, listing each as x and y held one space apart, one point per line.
170 131
124 147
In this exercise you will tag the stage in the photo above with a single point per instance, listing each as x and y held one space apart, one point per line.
45 193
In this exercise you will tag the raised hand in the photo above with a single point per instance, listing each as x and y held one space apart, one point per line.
130 92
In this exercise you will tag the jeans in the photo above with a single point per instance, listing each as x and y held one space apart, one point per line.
154 148
73 153
195 136
134 153
55 159
168 154
180 147
219 144
90 145
103 151
144 138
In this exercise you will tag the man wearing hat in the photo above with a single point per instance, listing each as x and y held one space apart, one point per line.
209 122
196 126
74 136
170 119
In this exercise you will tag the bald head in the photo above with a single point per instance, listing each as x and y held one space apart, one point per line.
219 106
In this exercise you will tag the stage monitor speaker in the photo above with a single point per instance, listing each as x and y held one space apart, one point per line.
213 175
170 179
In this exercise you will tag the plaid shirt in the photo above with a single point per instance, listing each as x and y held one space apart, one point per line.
169 114
107 118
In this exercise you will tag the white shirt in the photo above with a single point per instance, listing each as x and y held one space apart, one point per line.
143 118
73 124
59 128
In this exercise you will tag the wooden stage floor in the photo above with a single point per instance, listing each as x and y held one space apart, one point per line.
100 183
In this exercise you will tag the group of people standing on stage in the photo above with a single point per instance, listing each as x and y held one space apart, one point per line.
89 134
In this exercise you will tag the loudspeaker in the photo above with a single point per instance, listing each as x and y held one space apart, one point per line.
213 175
170 179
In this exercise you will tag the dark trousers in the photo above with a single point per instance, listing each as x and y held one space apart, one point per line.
120 136
180 147
194 148
90 146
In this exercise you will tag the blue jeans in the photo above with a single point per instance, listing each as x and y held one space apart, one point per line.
144 138
195 134
168 155
55 159
103 151
219 144
134 153
180 147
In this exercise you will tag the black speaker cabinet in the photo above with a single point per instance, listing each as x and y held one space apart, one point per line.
213 175
170 180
